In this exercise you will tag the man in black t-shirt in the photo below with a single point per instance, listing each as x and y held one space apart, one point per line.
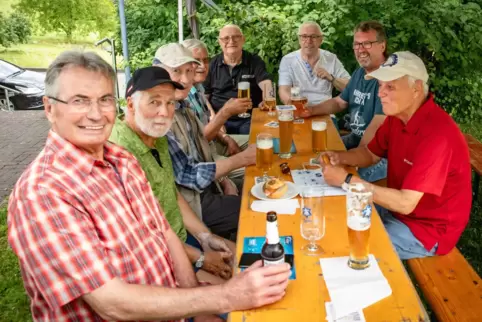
230 67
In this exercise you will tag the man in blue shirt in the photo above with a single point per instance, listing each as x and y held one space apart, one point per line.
361 96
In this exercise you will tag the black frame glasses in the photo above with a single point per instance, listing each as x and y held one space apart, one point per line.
365 44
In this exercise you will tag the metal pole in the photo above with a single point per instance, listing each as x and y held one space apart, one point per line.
125 49
179 20
114 64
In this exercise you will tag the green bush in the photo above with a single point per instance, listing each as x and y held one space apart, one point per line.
14 29
446 34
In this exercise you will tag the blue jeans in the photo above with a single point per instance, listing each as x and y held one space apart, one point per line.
372 173
405 243
240 126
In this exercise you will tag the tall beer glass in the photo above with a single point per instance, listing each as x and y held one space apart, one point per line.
312 219
285 120
318 135
244 92
270 100
264 153
298 101
359 213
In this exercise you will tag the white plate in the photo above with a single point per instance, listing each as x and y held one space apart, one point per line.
258 192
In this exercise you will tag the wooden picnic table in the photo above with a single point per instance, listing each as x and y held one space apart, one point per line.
306 296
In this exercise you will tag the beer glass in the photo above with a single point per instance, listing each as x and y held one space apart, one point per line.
270 100
359 212
285 120
298 101
312 219
264 153
244 92
318 135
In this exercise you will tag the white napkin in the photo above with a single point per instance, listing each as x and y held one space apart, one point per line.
357 316
283 207
352 290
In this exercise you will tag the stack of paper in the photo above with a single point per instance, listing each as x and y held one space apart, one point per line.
281 206
353 290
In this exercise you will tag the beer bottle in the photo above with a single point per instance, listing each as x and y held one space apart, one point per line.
272 252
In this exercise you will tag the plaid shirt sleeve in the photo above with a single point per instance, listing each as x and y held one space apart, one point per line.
58 246
188 172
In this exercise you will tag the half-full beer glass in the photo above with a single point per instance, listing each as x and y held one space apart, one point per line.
264 153
298 101
285 120
244 92
318 135
359 213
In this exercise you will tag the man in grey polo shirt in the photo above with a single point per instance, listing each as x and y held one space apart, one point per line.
314 70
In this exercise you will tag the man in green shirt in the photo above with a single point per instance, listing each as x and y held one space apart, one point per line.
149 114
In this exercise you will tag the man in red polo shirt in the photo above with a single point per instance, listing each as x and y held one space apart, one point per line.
426 204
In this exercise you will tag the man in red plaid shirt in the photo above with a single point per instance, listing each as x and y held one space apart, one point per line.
92 241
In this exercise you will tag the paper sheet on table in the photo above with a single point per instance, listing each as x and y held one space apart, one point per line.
357 316
314 177
281 206
352 290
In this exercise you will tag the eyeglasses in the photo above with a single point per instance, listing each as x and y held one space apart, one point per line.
312 37
234 38
82 104
365 44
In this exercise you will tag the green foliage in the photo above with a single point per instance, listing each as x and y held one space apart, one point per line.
14 29
71 16
447 34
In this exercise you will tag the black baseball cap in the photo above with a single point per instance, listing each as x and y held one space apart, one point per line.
148 77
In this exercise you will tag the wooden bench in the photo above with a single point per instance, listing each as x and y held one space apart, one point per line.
475 148
450 285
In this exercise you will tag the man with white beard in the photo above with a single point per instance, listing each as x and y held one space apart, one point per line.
142 130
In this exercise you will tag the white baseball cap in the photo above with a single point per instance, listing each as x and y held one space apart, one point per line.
174 55
399 64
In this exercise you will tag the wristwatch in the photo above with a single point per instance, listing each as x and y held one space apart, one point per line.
345 184
200 261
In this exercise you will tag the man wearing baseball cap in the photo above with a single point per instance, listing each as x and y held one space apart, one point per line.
217 201
149 114
426 204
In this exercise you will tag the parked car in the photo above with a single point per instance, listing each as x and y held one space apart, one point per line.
29 84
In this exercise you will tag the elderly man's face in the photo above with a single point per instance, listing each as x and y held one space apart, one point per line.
201 71
398 96
183 74
87 127
231 40
310 39
368 52
154 110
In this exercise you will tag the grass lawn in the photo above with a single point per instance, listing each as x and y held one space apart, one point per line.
14 302
41 51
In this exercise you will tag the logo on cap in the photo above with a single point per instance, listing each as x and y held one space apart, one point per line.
392 60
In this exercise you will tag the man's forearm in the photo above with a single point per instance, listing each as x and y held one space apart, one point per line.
285 94
225 166
211 130
135 302
358 157
340 83
182 265
327 107
392 199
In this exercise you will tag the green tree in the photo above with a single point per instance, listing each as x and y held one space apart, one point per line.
13 29
446 34
72 16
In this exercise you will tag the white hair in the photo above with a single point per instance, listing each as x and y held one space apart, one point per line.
412 80
310 23
192 44
136 100
232 26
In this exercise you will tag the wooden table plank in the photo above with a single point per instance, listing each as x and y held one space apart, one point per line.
305 296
